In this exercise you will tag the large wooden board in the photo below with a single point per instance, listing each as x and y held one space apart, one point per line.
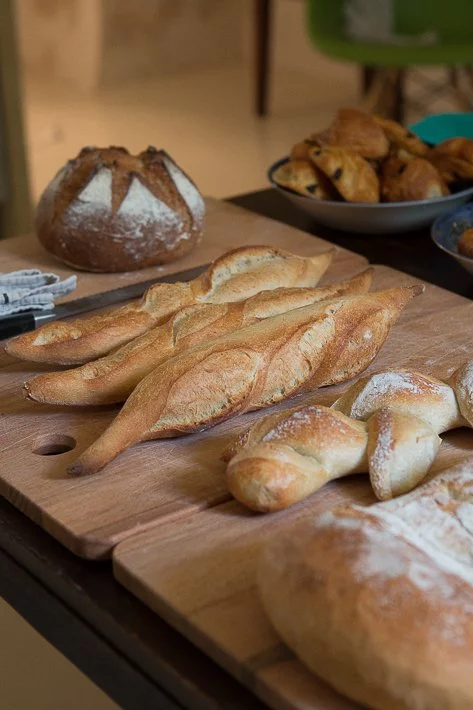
153 481
199 574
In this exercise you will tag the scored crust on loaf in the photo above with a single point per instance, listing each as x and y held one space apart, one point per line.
401 414
113 377
379 601
234 276
290 350
407 391
107 210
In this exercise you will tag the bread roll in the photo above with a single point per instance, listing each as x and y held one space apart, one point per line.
404 412
379 601
237 274
107 210
250 369
113 377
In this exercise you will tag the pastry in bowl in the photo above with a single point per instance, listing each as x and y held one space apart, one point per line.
358 131
108 210
414 179
303 177
401 138
352 176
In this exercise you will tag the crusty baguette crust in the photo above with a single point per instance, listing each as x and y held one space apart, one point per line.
113 377
250 369
379 601
234 276
288 456
404 412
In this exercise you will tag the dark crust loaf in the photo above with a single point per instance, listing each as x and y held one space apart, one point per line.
109 211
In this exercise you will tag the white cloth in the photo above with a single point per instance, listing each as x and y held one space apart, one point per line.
31 290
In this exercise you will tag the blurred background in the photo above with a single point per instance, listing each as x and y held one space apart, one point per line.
178 74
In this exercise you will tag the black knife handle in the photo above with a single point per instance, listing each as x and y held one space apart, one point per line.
16 324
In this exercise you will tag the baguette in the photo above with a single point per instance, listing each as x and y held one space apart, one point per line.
113 377
252 368
236 275
378 601
401 414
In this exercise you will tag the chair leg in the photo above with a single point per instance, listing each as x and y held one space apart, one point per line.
464 98
398 96
368 74
263 10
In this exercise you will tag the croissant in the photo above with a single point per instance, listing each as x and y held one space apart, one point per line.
252 368
386 424
113 377
237 274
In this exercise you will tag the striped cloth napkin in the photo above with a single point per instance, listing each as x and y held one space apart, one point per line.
31 290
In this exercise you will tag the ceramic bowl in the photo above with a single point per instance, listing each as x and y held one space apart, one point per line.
373 218
446 231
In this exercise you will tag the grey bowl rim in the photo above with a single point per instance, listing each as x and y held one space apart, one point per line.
357 205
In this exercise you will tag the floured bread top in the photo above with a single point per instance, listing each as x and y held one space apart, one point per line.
108 210
425 537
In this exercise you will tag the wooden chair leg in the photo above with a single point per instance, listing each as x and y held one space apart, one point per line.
463 98
263 13
368 73
398 96
374 96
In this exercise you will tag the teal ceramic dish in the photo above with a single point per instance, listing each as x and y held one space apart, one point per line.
369 218
447 230
442 126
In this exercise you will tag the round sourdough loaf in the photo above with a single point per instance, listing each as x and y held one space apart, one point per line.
107 211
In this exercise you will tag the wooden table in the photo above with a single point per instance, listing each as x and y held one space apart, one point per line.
78 607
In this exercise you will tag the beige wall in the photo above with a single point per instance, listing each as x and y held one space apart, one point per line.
143 38
94 43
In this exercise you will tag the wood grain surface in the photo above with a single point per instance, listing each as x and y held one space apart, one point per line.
152 481
198 573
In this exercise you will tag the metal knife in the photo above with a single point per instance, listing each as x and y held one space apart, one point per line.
23 322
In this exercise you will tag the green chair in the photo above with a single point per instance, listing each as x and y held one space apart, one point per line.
452 20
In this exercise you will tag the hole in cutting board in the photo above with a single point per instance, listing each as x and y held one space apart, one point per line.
53 444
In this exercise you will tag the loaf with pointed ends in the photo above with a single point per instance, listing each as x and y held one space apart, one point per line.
289 455
250 369
237 274
113 377
378 601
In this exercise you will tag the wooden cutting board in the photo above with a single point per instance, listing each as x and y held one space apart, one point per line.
199 573
153 481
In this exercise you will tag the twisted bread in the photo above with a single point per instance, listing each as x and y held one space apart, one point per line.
238 274
113 377
289 455
378 601
251 368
